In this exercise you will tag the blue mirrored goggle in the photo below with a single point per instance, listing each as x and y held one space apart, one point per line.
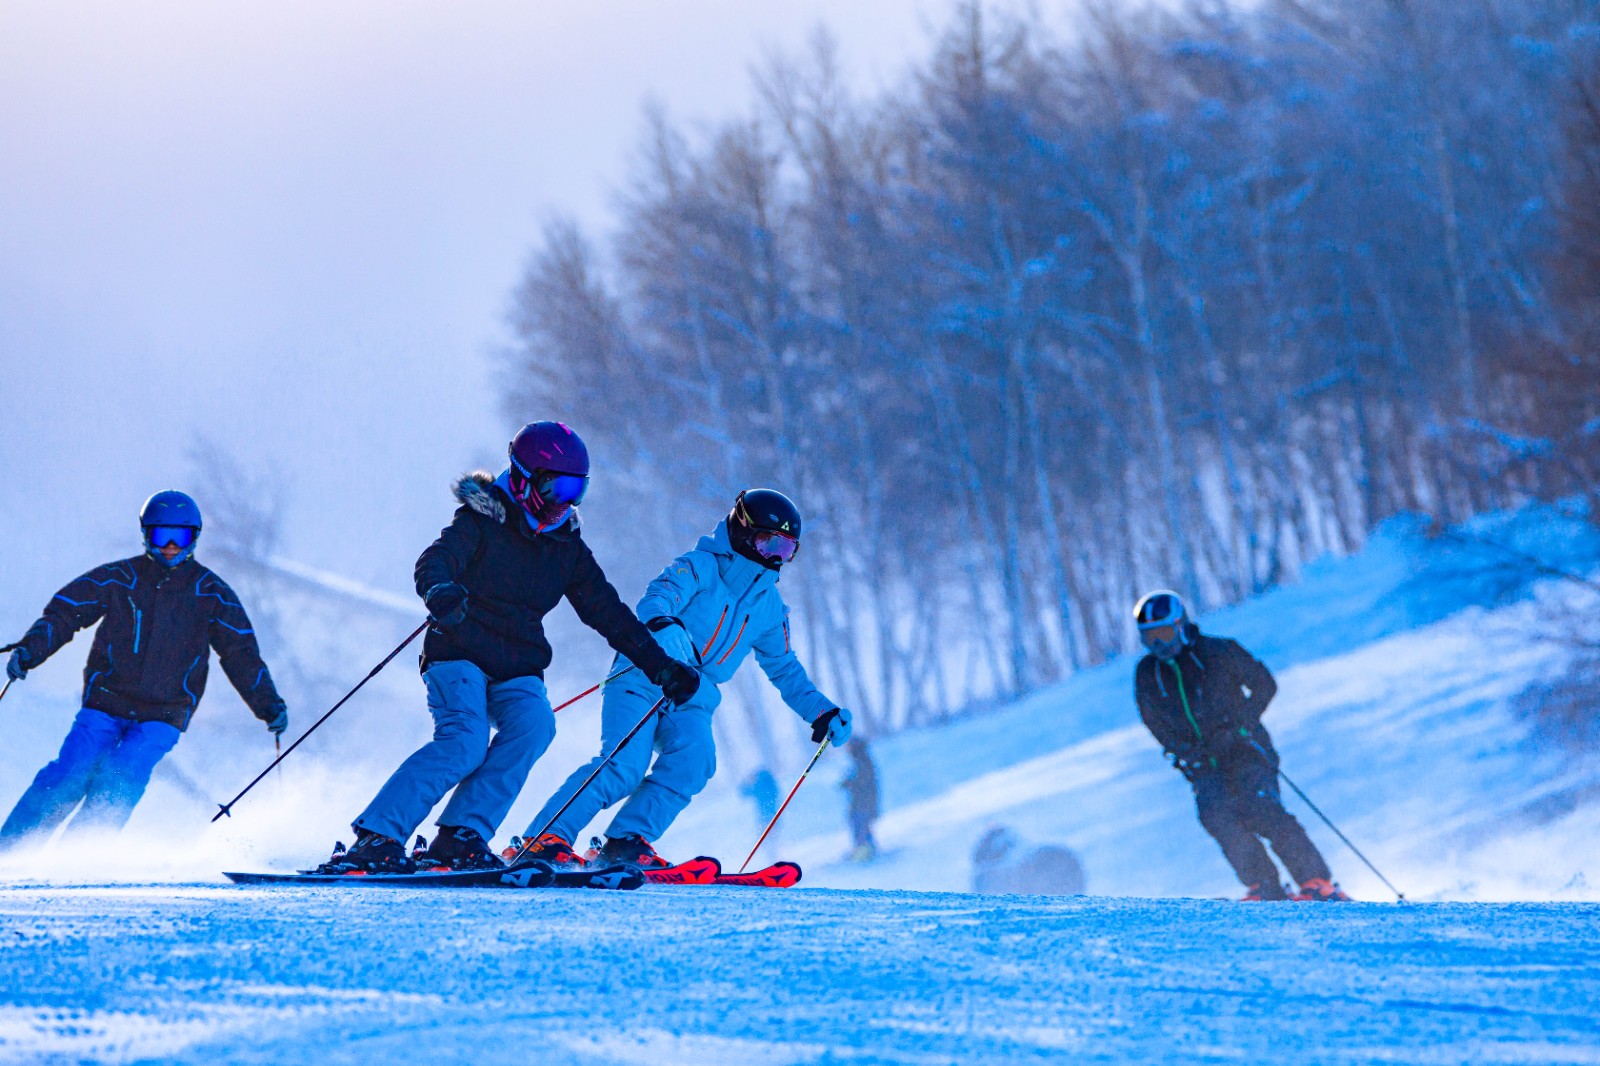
161 536
563 488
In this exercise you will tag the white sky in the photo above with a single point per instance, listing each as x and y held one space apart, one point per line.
294 226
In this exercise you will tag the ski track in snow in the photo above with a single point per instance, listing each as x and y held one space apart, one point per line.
205 974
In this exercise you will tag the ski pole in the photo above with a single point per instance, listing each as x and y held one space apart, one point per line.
227 808
528 843
3 691
792 791
1329 822
591 691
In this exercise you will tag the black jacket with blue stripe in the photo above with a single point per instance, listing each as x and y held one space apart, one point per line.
152 651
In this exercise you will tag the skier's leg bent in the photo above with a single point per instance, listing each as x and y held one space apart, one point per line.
123 775
524 726
58 787
687 761
1262 808
458 695
1219 814
620 711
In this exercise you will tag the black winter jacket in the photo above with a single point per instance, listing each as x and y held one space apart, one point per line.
1205 706
158 625
513 578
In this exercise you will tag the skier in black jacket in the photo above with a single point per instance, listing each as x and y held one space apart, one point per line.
161 614
1202 698
511 553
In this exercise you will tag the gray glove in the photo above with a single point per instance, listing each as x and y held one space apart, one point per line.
279 723
17 665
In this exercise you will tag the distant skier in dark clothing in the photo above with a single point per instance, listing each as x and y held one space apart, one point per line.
1202 698
509 556
161 614
860 783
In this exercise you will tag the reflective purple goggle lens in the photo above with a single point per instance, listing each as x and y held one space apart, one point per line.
161 536
563 488
776 545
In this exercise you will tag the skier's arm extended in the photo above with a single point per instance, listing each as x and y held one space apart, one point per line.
447 557
79 605
234 640
602 610
775 653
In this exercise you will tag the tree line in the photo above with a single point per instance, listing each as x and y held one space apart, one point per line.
1159 297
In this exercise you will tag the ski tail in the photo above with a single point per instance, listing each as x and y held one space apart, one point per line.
778 875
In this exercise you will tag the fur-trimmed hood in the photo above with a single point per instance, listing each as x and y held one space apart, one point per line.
486 494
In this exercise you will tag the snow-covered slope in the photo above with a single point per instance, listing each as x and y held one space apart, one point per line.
209 975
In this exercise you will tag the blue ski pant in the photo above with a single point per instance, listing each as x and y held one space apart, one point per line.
486 774
685 758
105 763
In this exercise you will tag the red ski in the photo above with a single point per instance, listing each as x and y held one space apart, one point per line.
699 871
778 875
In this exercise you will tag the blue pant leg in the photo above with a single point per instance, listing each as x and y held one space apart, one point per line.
58 787
524 726
124 773
458 699
620 710
688 759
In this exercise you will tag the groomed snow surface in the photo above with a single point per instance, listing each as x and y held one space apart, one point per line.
1402 671
685 975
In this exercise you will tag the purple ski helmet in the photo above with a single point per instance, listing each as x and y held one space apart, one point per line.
549 470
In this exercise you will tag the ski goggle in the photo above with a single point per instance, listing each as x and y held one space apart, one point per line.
541 487
1154 635
161 536
778 546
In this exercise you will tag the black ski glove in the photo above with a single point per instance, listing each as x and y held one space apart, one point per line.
278 724
17 665
447 603
677 681
834 724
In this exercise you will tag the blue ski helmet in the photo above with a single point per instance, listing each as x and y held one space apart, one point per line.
170 517
1163 623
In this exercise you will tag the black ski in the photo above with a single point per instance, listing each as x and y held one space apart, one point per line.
531 874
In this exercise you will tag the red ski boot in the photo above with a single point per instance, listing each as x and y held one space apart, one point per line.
1320 890
1265 892
548 848
633 850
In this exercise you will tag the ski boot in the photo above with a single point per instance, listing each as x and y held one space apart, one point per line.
373 853
631 849
1265 892
1320 890
459 848
547 848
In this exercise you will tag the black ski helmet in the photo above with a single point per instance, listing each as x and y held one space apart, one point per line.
1163 623
549 470
170 517
764 526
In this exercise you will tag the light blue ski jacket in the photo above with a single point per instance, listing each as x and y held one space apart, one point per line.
731 607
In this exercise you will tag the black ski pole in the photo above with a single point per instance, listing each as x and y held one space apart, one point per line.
9 680
3 691
528 844
1329 822
227 808
792 791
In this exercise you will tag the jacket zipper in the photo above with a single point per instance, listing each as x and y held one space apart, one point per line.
735 643
138 624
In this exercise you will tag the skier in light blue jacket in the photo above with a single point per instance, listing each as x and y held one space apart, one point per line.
710 607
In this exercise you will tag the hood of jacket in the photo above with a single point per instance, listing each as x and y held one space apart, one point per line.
491 497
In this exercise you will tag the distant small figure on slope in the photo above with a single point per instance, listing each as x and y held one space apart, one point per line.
762 788
860 784
1202 698
1003 863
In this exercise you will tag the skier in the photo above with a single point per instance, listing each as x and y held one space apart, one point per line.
512 551
1202 698
860 784
160 613
711 606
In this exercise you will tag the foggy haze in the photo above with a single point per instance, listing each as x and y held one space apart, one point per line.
293 229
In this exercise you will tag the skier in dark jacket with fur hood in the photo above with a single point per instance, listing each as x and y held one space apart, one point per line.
512 552
1202 698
